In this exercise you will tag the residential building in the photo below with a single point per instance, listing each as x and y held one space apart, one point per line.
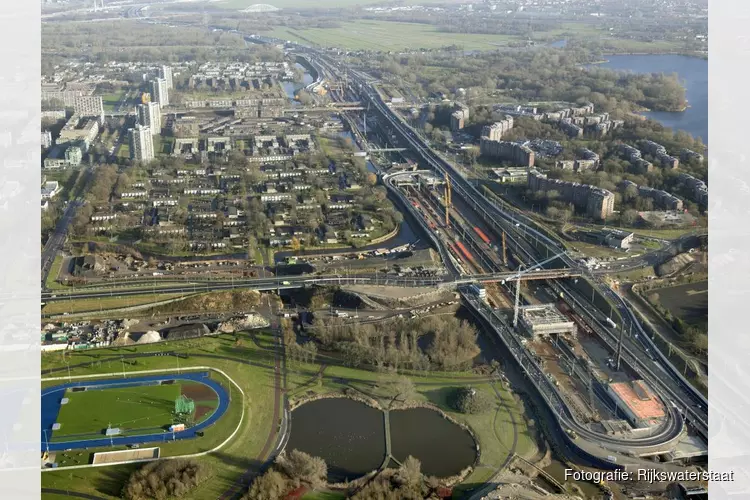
165 72
687 155
660 153
160 92
662 199
497 130
50 189
515 153
149 115
73 156
459 117
597 202
141 143
89 106
46 139
697 187
79 131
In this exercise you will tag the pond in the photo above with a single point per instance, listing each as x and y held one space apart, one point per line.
350 437
444 448
347 434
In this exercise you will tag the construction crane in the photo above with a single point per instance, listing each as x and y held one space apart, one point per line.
518 278
505 252
447 200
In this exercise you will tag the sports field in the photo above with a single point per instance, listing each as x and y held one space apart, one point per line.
134 410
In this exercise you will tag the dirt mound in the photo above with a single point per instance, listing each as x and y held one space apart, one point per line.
149 337
674 264
235 300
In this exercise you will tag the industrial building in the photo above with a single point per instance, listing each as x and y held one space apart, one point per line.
160 92
544 320
141 143
149 115
639 404
598 203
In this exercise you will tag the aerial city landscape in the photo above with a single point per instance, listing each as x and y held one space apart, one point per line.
374 250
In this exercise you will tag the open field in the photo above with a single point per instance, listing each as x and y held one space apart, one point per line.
385 36
110 101
688 302
132 409
296 4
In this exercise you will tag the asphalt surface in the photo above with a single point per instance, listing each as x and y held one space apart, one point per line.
57 239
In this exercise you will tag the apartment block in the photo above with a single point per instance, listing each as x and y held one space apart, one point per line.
89 106
149 115
165 72
597 202
497 130
160 92
141 143
515 153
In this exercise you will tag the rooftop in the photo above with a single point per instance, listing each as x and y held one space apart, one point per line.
639 399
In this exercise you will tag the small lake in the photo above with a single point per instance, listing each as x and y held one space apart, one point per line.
444 448
347 434
692 71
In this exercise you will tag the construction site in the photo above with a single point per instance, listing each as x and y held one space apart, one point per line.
603 394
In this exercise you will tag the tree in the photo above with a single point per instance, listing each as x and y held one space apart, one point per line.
471 401
270 486
401 388
303 467
410 472
372 179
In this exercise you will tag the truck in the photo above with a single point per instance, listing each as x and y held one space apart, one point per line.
611 323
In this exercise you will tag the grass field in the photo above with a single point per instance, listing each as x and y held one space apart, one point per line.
132 409
110 101
385 36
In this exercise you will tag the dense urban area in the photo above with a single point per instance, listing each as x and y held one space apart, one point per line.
395 250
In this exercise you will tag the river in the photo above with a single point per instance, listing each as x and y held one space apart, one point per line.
291 88
693 73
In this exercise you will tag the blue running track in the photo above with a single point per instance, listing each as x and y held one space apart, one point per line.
51 397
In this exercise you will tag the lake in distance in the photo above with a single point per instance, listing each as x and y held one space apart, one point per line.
693 73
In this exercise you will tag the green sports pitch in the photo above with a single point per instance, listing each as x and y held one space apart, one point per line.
135 410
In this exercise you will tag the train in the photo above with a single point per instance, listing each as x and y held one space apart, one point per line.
466 254
482 235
